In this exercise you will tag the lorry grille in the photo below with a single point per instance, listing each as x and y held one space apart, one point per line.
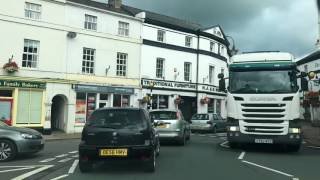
263 127
263 111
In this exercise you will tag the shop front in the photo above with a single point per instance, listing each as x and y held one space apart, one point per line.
211 100
22 103
90 98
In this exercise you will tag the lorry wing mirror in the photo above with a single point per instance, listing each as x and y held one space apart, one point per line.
304 84
222 82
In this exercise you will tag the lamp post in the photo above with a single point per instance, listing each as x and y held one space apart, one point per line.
233 50
151 85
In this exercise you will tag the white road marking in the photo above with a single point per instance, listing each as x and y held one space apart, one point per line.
224 144
75 156
15 166
201 135
62 155
73 167
315 147
213 136
65 160
267 168
47 160
241 156
73 152
223 138
17 169
295 178
303 142
60 177
28 174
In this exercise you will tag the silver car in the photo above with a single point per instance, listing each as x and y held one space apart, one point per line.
14 141
171 125
207 122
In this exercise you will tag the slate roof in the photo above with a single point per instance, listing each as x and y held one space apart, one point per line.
156 19
309 58
100 5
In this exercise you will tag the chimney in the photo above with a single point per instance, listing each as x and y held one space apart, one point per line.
115 3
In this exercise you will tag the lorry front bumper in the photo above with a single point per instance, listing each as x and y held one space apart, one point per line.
290 139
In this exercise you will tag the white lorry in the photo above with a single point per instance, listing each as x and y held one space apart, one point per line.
263 99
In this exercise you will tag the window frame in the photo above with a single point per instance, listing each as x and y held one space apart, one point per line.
212 46
33 44
187 74
29 12
90 21
123 28
188 41
211 74
161 35
122 68
160 68
84 68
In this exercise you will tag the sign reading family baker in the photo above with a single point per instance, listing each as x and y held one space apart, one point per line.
22 84
148 83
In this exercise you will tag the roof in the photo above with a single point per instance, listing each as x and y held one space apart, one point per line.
309 58
100 5
156 19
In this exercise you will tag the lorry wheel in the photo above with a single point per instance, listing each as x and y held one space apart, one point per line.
233 145
293 148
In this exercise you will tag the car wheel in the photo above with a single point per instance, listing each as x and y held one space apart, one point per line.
158 149
189 136
183 140
214 129
151 164
8 150
85 166
233 145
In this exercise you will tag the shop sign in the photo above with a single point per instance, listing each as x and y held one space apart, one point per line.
22 84
207 88
103 89
148 83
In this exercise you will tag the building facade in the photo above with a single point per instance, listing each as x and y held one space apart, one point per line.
73 56
62 59
311 99
180 62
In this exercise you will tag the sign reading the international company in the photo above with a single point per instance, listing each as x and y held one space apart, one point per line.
148 83
22 84
103 89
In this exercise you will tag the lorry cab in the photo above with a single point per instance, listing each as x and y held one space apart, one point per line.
263 99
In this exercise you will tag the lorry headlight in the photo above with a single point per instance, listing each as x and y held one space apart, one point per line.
294 130
234 128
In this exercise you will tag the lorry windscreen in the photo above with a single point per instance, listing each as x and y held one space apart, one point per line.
263 82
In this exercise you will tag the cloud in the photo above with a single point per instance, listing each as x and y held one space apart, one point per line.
286 25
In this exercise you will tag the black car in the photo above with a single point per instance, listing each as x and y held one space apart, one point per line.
119 134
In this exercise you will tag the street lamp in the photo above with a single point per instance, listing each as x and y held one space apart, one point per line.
233 50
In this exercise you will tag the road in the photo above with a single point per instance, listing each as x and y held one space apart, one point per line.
206 156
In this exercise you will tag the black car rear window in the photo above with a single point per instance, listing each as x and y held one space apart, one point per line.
118 119
200 117
164 115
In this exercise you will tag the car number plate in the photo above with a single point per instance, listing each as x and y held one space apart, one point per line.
114 152
162 126
263 141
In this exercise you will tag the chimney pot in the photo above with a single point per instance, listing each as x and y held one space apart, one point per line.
115 3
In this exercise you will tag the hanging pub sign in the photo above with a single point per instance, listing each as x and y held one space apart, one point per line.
22 84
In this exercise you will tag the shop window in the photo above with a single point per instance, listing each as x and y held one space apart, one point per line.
218 106
81 105
121 100
103 100
6 110
159 101
5 93
211 106
29 107
91 104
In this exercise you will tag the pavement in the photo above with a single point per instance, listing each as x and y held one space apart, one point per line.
311 133
60 135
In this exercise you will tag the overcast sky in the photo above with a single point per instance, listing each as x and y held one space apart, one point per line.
285 25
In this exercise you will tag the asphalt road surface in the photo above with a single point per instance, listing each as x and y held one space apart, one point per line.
206 156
